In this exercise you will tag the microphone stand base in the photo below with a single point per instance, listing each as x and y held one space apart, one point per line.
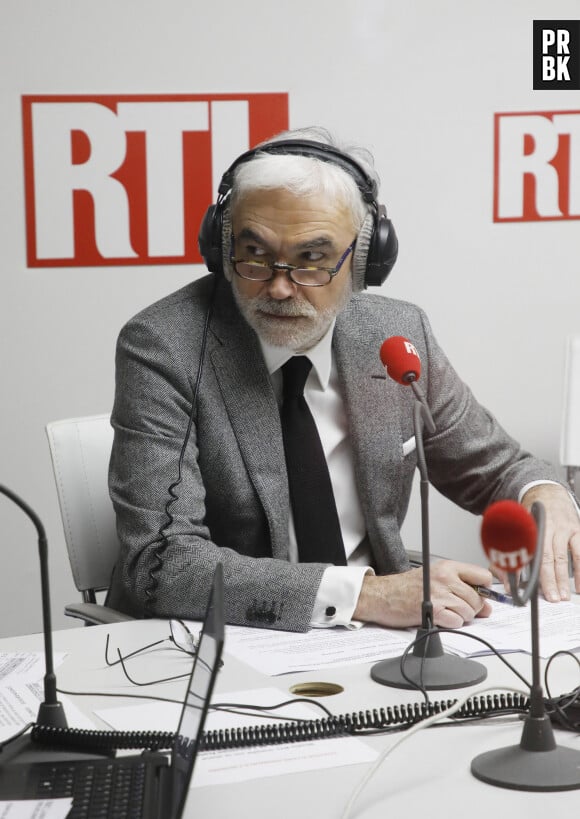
431 673
428 667
513 767
51 714
23 751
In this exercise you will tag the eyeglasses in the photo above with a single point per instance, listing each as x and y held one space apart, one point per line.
304 276
181 638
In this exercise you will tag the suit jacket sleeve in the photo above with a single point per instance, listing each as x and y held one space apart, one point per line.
471 458
169 548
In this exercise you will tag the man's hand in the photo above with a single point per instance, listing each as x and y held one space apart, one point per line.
394 600
562 535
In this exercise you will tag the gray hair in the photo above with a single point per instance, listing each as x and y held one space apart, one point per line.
304 176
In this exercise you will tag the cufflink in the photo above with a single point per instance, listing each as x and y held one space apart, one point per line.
330 611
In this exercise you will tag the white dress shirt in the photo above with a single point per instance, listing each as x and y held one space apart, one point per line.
340 587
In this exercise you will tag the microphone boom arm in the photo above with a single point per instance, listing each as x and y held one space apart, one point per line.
426 605
51 711
537 708
425 411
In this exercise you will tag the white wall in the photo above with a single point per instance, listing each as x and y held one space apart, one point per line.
417 82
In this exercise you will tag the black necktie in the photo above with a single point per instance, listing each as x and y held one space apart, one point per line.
313 505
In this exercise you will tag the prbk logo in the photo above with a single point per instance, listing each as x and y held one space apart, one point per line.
556 54
537 166
125 180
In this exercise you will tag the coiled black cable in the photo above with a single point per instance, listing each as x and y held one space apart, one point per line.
357 723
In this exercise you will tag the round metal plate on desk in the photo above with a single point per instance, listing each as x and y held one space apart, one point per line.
316 689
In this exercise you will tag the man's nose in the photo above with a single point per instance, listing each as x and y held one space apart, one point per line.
281 286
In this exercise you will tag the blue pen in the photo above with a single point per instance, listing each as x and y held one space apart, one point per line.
490 594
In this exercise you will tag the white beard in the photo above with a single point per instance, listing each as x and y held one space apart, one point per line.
299 333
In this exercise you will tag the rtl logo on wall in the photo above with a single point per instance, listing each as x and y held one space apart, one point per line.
125 180
537 166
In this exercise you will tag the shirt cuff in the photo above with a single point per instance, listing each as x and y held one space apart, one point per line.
525 488
337 596
555 483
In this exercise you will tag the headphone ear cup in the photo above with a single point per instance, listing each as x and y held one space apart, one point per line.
361 253
383 249
209 239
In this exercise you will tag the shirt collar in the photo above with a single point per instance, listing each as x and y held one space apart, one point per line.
320 355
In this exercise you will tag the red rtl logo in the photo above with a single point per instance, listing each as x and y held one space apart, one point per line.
126 180
537 166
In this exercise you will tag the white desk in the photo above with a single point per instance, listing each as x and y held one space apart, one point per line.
429 772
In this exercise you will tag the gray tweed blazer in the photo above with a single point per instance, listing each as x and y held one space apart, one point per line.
232 501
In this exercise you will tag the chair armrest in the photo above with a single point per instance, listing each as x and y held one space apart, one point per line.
95 614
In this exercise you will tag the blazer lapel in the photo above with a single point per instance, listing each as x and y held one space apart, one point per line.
251 405
373 404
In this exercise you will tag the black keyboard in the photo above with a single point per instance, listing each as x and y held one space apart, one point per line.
103 791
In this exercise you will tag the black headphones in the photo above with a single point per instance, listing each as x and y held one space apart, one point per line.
383 244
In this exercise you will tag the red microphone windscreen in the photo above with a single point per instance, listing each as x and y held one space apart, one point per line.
509 535
401 359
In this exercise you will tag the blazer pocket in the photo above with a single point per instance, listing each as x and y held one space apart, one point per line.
409 446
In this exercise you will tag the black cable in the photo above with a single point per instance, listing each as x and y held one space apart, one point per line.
418 685
241 708
151 682
224 706
163 532
153 697
558 708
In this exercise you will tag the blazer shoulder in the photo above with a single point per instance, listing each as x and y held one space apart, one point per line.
394 316
375 304
189 301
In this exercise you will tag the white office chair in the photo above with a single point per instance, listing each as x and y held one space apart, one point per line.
80 449
570 430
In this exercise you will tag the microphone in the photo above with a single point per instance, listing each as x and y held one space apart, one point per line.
509 535
402 362
512 538
427 666
51 711
401 359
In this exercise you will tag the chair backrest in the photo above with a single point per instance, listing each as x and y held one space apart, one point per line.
570 430
80 449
